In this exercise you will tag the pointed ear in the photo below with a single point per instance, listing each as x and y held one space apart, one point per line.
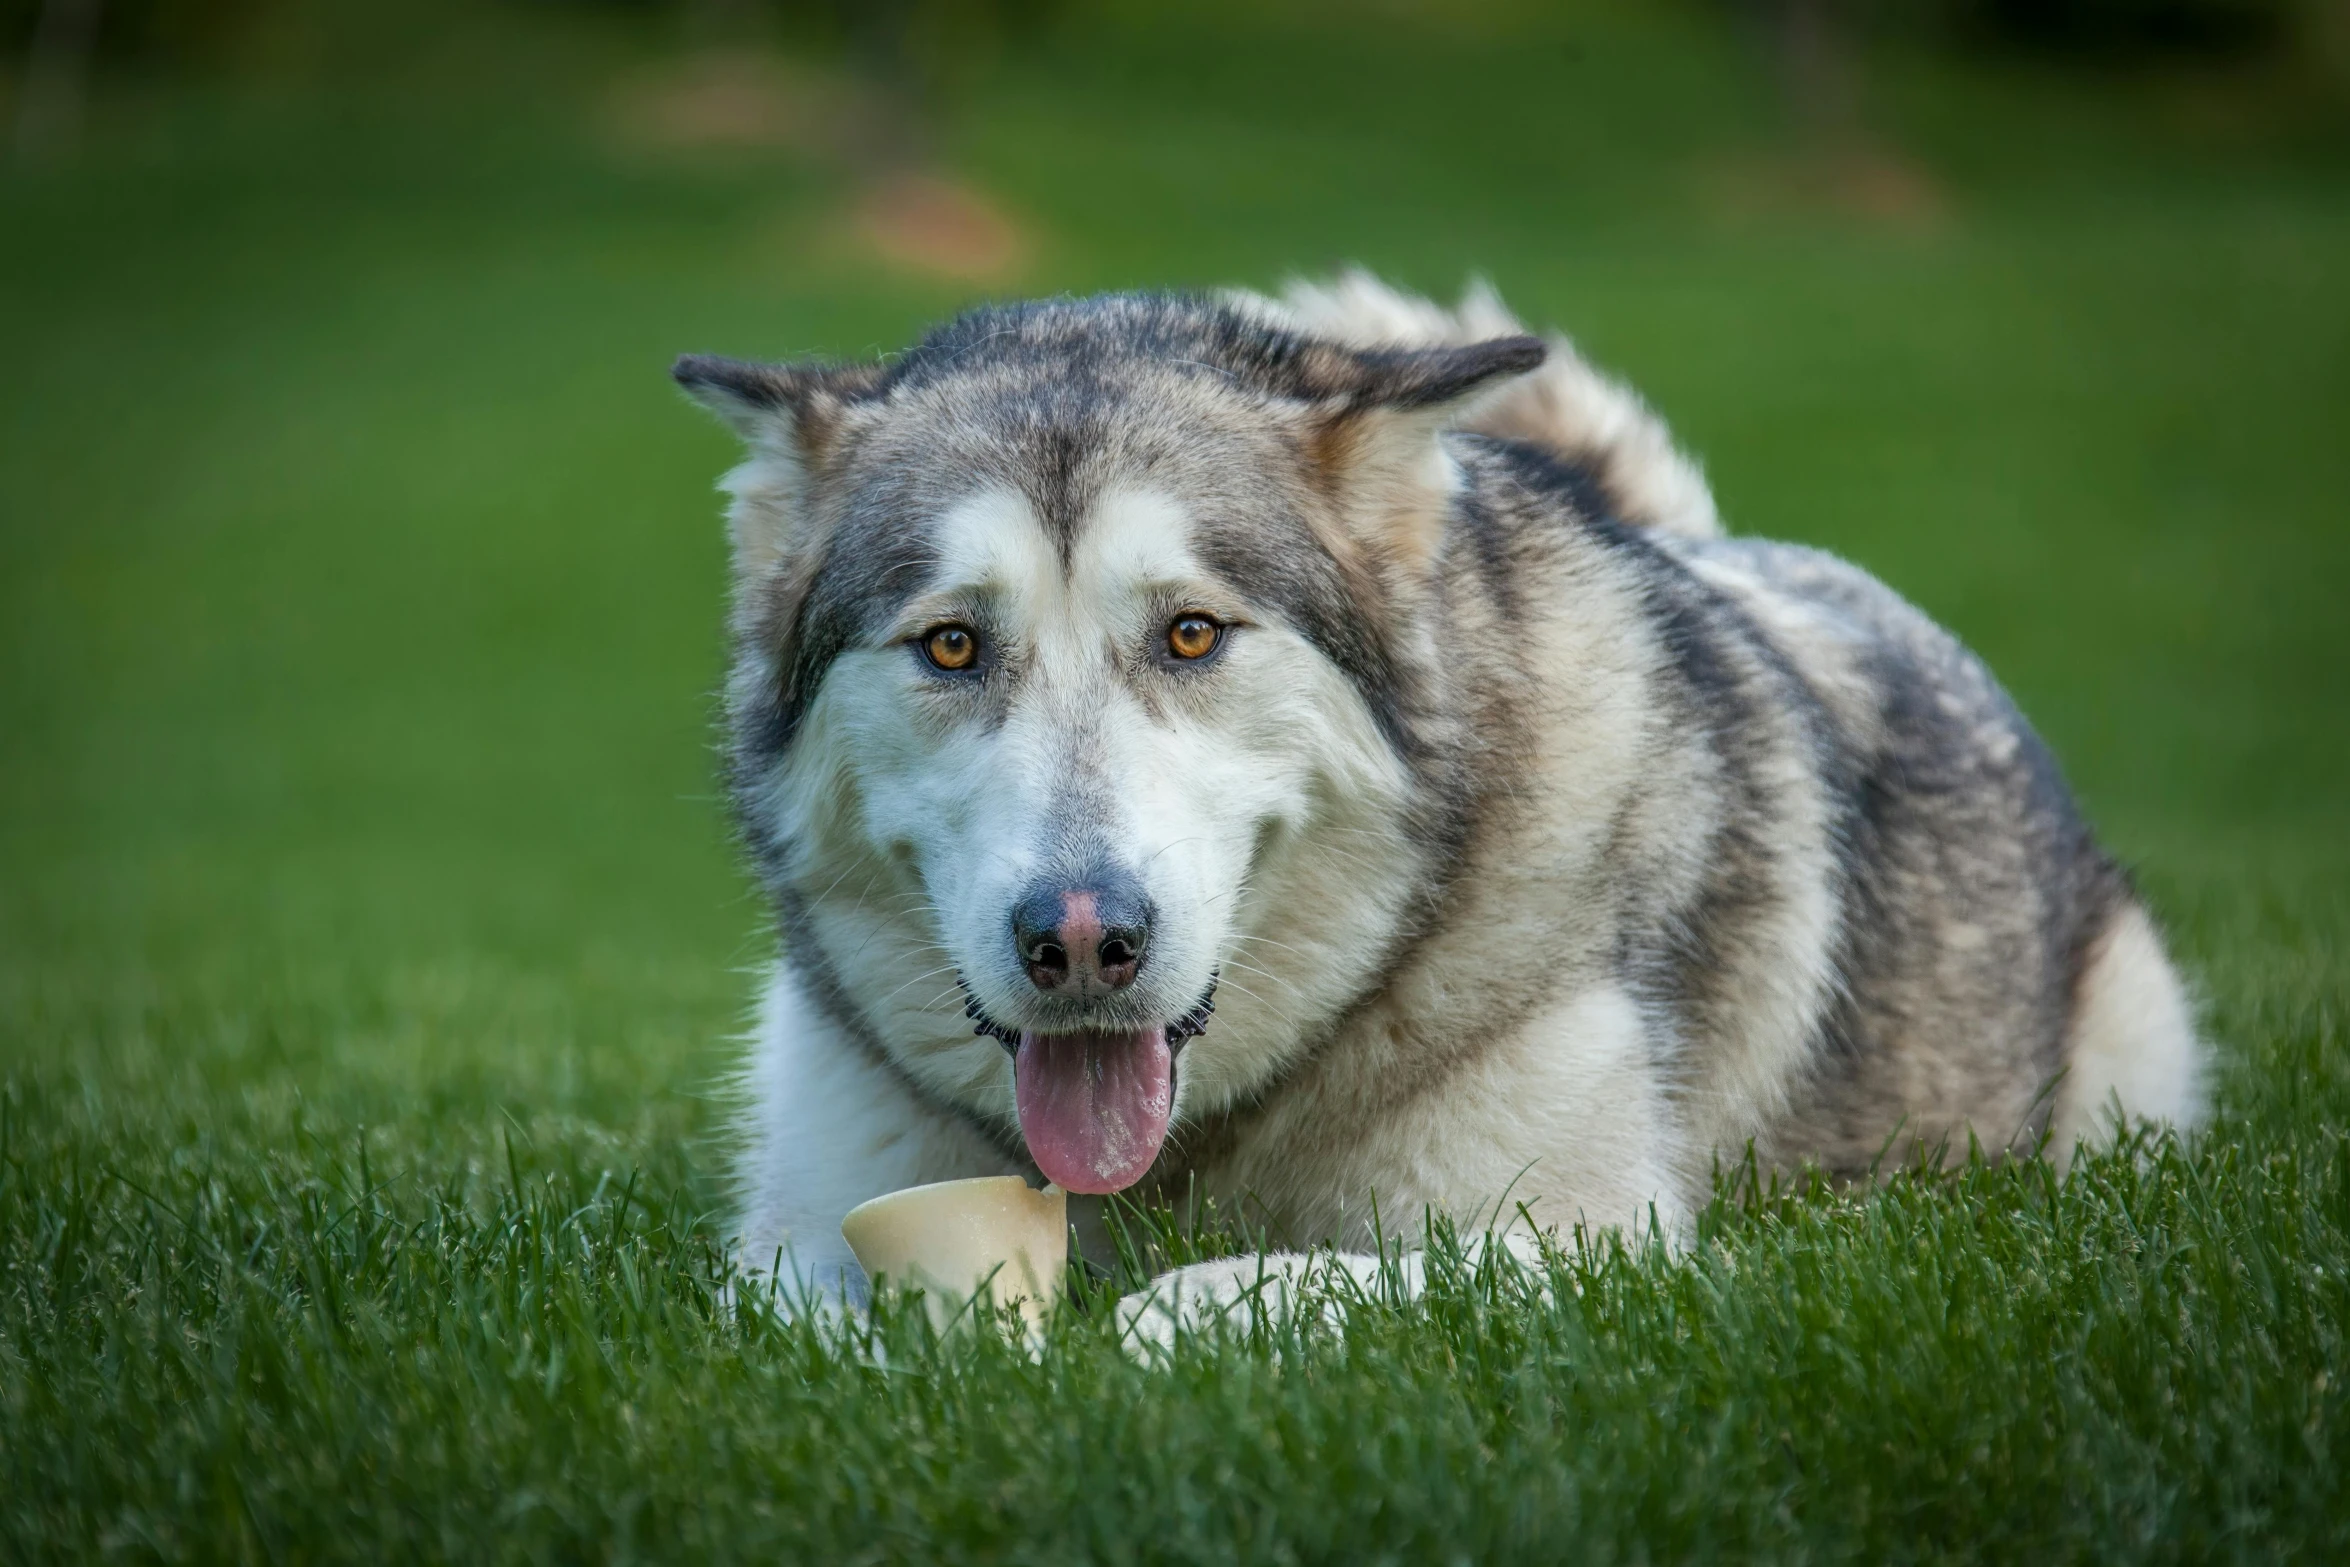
1407 379
798 406
791 417
1372 434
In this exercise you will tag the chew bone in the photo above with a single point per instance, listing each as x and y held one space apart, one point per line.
956 1237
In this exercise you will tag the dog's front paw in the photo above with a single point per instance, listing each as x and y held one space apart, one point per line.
1240 1295
1236 1293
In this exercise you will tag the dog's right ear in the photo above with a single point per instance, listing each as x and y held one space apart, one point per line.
791 417
791 407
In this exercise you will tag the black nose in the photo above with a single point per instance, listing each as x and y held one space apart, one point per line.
1083 938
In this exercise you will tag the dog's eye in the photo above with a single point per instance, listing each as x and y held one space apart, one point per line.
951 647
1193 636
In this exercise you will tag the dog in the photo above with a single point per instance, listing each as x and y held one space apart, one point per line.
1324 753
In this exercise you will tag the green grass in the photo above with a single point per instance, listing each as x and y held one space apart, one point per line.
369 938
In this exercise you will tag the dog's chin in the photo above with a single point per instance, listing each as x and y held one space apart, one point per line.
1095 1099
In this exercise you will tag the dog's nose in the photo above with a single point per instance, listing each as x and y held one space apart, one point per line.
1084 939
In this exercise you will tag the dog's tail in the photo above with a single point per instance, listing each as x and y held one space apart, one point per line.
1566 407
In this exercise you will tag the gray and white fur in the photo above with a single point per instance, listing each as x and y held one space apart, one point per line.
1529 835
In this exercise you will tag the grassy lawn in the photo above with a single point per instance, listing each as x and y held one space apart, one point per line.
370 939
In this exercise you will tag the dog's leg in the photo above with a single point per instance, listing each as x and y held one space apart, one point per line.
1237 1293
1570 1119
2134 1054
826 1127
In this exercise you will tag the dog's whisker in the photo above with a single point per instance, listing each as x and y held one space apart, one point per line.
1280 1012
845 873
932 973
1270 942
945 995
1251 968
1164 847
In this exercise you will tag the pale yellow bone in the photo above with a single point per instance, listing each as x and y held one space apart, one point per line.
951 1239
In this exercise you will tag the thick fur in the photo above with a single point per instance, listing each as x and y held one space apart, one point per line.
1537 840
1579 416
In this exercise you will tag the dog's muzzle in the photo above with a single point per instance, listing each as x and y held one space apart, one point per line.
1094 1103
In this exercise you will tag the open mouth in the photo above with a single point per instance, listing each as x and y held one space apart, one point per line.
1094 1103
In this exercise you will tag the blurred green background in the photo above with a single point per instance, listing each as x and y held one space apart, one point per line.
360 573
370 933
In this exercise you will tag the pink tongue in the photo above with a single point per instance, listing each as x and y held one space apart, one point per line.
1094 1106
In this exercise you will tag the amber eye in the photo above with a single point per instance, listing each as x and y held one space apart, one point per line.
1193 636
952 647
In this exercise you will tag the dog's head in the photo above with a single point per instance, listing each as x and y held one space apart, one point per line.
1073 693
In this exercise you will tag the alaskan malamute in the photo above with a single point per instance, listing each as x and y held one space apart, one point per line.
1324 753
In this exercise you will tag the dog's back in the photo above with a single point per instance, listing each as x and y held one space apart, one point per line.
1988 940
1995 975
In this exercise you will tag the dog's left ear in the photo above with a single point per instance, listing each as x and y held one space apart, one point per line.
1373 418
792 418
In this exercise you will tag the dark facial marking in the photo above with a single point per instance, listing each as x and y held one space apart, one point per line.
1047 381
1279 563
